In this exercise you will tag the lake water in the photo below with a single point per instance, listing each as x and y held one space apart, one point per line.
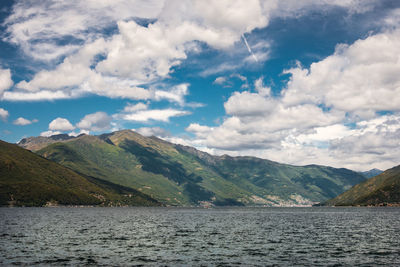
201 237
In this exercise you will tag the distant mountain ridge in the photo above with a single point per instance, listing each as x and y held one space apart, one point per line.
380 190
180 175
36 143
371 173
26 179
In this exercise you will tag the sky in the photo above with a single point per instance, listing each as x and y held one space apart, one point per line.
297 81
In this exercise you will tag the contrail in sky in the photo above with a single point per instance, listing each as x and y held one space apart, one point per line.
248 48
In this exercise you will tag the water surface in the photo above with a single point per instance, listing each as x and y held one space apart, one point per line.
192 236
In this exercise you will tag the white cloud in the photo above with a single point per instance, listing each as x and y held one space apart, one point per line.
22 121
195 105
294 8
201 131
392 19
5 80
249 104
60 124
174 94
3 114
37 26
261 88
38 96
153 115
75 134
356 78
153 131
228 81
98 121
49 133
148 53
238 57
141 113
220 68
133 108
220 80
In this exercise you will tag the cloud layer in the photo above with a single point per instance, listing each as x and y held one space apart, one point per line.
75 37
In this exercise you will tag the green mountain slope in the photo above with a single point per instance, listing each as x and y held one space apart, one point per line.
383 189
273 180
179 175
27 179
151 166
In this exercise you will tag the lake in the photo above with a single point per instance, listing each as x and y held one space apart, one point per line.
317 236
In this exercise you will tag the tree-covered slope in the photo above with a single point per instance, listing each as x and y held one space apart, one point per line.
383 189
179 175
271 179
27 179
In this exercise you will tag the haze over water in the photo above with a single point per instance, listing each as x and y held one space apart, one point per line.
193 236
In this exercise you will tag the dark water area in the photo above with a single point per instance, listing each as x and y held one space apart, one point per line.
317 236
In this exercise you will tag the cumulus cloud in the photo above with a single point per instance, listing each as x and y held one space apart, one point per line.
60 124
5 80
22 121
249 104
3 114
98 121
358 77
147 53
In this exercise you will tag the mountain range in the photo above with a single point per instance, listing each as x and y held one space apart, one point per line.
179 175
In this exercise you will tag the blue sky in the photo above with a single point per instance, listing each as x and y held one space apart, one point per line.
300 82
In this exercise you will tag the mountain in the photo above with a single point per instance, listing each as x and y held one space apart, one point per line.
383 189
371 173
180 175
27 179
36 143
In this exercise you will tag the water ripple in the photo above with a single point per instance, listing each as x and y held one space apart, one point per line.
200 237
